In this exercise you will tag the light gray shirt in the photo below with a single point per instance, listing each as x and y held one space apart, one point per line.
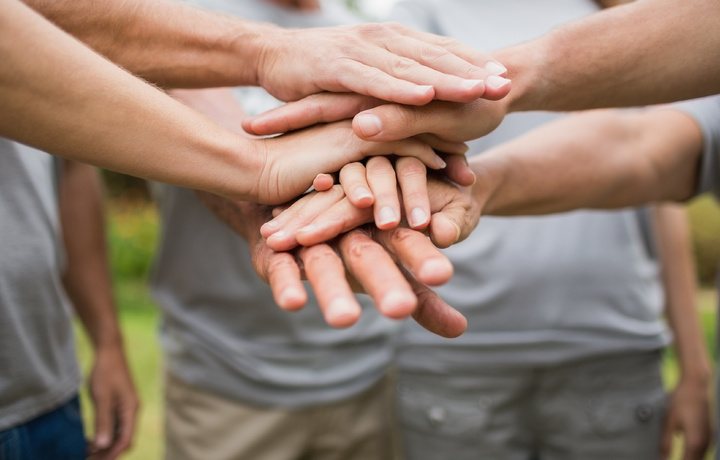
38 367
538 290
221 329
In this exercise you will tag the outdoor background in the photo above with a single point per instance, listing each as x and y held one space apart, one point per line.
133 232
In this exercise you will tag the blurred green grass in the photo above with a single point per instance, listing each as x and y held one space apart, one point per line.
132 234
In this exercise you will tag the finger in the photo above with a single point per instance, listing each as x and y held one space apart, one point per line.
354 182
323 182
373 79
375 270
126 427
434 314
285 238
381 179
666 439
404 148
419 70
458 170
391 122
451 57
416 253
443 231
104 419
326 273
441 145
340 218
466 53
284 278
696 440
314 109
412 176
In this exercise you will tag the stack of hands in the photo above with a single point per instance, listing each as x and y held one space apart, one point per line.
375 225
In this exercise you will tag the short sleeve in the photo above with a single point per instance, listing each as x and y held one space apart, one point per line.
706 113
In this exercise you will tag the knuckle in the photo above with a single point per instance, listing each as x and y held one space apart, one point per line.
410 167
319 256
402 66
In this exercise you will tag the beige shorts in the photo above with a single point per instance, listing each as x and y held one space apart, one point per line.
202 426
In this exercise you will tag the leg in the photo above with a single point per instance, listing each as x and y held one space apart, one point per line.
200 426
360 428
468 417
603 408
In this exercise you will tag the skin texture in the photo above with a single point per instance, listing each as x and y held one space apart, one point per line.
392 266
636 54
87 282
194 48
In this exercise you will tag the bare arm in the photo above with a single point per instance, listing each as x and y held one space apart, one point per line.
87 281
645 52
688 411
601 159
179 46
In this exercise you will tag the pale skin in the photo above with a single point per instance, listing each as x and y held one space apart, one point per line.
67 100
391 266
637 54
87 282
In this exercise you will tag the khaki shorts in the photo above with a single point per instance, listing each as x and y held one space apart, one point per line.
202 426
600 409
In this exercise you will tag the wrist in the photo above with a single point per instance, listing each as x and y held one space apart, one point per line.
255 43
526 64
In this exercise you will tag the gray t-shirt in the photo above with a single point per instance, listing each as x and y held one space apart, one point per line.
706 113
38 367
221 329
538 290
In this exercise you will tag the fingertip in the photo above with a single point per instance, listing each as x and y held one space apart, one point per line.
291 298
435 272
361 197
443 231
398 304
268 228
102 440
387 218
497 87
367 125
342 313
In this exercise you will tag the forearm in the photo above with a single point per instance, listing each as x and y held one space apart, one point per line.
672 232
190 48
61 97
87 278
642 53
601 159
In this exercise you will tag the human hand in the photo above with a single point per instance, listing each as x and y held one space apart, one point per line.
321 216
377 120
115 401
688 414
388 61
292 161
363 260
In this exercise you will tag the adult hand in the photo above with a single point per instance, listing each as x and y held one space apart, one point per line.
379 121
115 401
321 216
387 61
291 162
689 415
363 260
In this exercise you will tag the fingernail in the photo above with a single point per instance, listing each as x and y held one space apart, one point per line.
102 440
398 304
270 225
470 84
495 68
362 193
434 270
495 82
439 163
280 234
341 312
386 216
369 125
423 89
418 217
